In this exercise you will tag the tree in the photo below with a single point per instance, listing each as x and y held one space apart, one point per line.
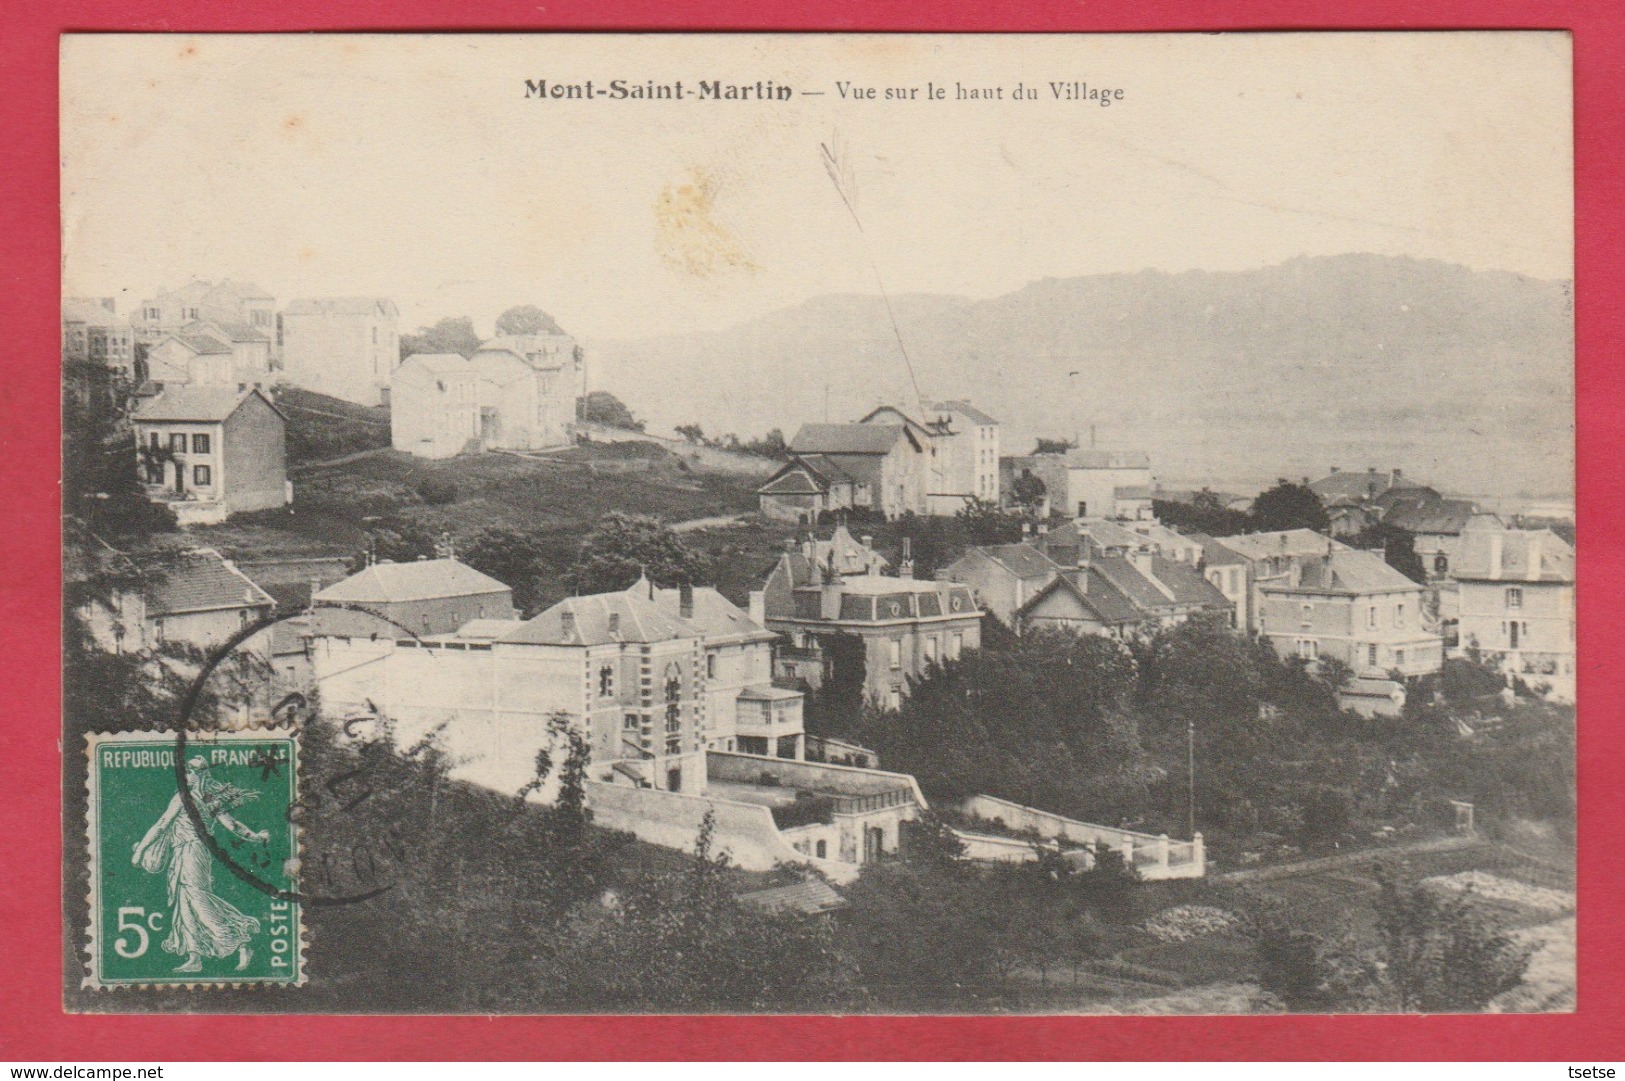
683 942
602 407
1442 955
451 335
1289 506
1028 491
526 319
691 432
1292 963
394 541
1205 513
513 558
623 547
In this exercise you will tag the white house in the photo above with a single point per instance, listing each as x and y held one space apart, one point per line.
528 387
434 409
1516 591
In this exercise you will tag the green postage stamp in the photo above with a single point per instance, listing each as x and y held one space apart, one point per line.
194 858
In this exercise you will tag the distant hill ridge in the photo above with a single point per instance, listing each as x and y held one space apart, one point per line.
1463 376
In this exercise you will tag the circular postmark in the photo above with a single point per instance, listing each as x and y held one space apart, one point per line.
354 778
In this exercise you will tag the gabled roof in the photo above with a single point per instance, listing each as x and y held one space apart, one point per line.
201 405
1445 517
1526 555
794 478
89 312
1288 542
1359 485
1188 585
536 350
339 306
1101 533
421 580
230 332
1347 571
1144 593
586 621
439 363
202 581
827 468
1022 560
201 342
1098 594
714 616
847 438
964 409
1215 554
1107 459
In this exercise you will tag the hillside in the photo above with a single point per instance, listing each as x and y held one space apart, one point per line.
1462 376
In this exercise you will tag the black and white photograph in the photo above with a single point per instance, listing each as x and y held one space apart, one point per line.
818 524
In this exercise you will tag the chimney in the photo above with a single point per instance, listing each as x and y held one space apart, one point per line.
758 607
567 621
685 600
869 540
1043 528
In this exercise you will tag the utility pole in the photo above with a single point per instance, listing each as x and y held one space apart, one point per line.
1190 775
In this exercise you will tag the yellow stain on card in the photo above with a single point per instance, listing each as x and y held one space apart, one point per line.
688 234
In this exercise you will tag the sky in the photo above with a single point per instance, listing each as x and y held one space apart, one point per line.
415 167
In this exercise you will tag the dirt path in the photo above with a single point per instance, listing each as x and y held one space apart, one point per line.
709 523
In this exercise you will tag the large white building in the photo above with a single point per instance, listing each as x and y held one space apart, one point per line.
653 678
528 387
346 347
434 405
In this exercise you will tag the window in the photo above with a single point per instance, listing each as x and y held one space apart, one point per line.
201 476
1399 615
1083 508
710 666
894 646
930 649
242 617
1371 617
606 681
1371 655
1514 597
955 644
630 722
1308 649
674 710
177 443
1399 657
200 443
158 629
822 848
154 440
1306 615
1441 564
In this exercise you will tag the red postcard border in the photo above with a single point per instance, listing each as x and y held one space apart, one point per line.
33 1025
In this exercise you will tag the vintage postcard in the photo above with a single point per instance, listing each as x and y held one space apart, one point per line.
818 524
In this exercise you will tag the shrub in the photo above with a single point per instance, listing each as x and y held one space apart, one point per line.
437 491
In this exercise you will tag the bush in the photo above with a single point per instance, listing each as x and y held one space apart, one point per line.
437 491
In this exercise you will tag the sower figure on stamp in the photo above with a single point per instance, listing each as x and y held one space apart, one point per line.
201 924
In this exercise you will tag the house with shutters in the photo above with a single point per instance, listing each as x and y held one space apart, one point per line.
1516 604
1349 605
871 629
209 452
98 349
1273 557
1122 596
345 347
